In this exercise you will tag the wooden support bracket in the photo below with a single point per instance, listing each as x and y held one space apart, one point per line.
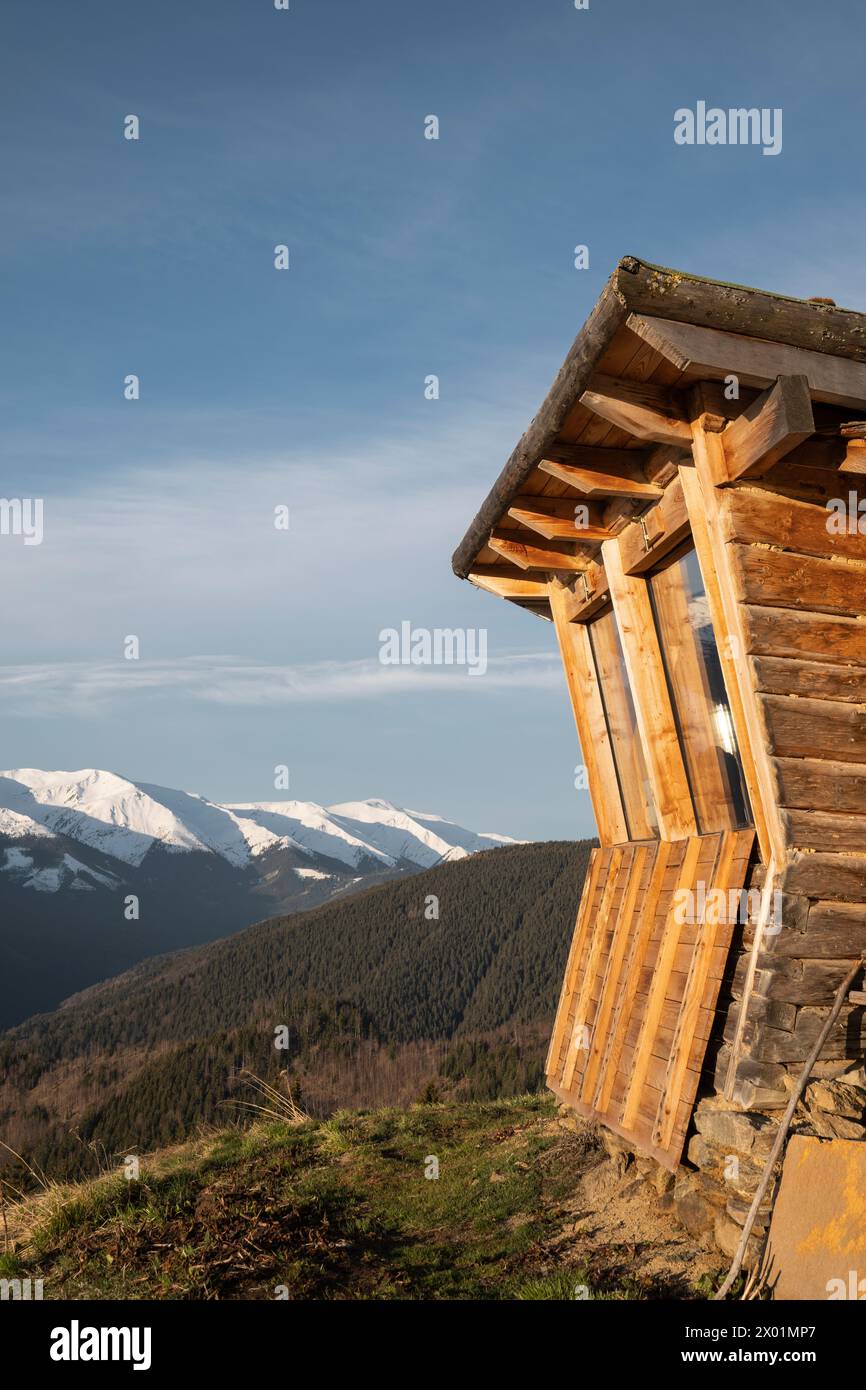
768 429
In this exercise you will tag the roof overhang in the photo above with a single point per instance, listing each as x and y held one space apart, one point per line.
614 427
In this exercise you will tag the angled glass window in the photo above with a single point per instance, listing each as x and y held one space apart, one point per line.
697 689
622 731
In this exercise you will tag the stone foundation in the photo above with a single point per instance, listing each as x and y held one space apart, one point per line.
712 1190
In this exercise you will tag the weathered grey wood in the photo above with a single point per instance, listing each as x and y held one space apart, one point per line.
808 635
821 785
847 1037
808 982
834 931
806 728
822 875
826 830
779 1142
666 293
814 680
751 514
781 579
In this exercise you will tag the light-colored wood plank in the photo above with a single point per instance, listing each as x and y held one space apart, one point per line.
660 530
619 709
583 596
622 934
598 860
586 704
625 1001
658 991
769 428
510 588
557 527
598 484
584 993
754 516
709 930
783 579
655 717
529 557
642 409
810 636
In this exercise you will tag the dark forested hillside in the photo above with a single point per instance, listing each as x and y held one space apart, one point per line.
445 980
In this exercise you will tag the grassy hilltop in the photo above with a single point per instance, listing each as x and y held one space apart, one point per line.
523 1208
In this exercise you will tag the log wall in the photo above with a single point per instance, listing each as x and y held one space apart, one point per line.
801 587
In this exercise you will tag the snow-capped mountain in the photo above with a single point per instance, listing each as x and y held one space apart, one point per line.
125 820
98 872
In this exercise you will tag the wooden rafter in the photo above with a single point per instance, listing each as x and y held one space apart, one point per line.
530 557
641 408
558 527
594 483
511 587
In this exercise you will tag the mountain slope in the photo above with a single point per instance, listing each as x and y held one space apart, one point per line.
372 996
98 872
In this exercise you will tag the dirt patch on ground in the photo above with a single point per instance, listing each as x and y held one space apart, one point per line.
625 1231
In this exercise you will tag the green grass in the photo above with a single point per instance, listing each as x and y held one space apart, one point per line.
343 1209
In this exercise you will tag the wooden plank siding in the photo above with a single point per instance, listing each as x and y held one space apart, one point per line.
641 986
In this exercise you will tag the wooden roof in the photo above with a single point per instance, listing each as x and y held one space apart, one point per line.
615 423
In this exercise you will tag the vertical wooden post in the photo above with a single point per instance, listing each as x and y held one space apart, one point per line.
591 724
655 717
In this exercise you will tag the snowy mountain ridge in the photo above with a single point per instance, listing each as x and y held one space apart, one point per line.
124 820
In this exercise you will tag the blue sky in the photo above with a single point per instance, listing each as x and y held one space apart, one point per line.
306 388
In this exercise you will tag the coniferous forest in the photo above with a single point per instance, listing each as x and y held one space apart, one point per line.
443 984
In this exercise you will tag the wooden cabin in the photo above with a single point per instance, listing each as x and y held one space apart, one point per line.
688 508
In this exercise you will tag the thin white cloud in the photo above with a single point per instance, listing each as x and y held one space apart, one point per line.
85 688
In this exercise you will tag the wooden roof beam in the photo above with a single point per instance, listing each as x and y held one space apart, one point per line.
513 588
529 557
715 354
640 408
594 483
558 527
768 429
